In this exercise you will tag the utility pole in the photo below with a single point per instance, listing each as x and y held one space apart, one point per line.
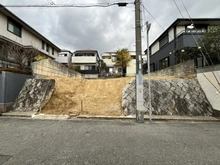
139 77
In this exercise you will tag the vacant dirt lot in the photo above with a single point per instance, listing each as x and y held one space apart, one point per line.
82 96
92 97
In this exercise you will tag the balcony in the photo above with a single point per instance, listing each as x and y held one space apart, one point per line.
84 59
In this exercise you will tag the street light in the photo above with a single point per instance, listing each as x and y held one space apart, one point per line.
190 27
148 25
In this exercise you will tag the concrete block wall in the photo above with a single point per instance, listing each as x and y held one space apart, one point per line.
182 69
49 67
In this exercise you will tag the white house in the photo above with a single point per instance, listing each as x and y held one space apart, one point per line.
110 58
88 60
15 31
65 57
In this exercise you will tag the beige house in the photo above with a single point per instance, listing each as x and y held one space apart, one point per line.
110 58
16 32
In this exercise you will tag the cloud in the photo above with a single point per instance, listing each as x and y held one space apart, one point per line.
106 29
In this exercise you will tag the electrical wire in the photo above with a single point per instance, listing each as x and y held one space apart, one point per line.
206 51
52 4
155 20
153 17
178 8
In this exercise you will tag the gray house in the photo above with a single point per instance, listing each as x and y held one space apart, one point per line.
181 34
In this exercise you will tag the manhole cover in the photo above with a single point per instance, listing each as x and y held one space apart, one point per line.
4 158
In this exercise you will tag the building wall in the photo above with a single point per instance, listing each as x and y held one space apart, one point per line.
180 29
26 39
171 34
10 86
163 53
130 70
64 57
83 59
183 40
155 47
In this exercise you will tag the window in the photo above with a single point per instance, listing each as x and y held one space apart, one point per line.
14 27
87 67
43 43
93 68
47 48
163 41
164 63
52 51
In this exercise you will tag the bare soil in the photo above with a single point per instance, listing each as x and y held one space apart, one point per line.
76 96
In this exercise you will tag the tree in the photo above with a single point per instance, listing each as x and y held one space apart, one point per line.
75 67
210 43
102 66
187 53
14 54
122 59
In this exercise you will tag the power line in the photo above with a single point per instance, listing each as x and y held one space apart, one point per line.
178 8
156 20
153 17
186 11
52 4
201 42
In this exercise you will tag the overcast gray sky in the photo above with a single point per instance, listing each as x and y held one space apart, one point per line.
106 29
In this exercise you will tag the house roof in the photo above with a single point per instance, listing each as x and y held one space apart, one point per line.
187 21
7 12
65 50
86 51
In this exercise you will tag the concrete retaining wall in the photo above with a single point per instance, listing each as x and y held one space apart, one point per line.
49 67
209 80
170 97
10 86
182 69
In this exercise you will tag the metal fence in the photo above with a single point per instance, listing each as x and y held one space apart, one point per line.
10 86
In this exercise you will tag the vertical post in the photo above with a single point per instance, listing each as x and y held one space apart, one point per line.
139 80
148 71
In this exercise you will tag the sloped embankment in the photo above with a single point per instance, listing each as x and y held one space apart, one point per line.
82 96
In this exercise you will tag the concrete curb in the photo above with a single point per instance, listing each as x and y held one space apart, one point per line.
50 117
34 115
18 114
155 118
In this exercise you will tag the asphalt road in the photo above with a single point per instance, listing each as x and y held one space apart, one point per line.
29 142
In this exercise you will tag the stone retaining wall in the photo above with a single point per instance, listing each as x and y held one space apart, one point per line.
169 97
34 95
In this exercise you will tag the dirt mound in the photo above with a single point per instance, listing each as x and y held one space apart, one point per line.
82 96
